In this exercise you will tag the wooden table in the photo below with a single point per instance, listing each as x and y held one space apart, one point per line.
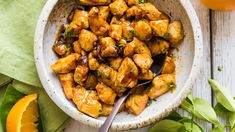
218 30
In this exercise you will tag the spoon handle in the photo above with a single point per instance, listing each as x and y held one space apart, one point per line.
105 127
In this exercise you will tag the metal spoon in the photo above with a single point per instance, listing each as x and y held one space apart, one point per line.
156 68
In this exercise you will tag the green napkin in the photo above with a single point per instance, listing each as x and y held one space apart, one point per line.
18 19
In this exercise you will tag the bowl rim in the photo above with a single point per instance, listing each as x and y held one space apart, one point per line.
39 61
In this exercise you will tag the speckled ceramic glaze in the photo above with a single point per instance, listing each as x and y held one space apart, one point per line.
188 61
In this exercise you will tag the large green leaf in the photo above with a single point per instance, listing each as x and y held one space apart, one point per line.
167 126
223 96
201 109
205 111
52 117
11 96
18 19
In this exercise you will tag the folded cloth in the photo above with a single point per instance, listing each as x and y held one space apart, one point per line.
18 20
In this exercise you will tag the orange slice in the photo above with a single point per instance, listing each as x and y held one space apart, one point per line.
23 116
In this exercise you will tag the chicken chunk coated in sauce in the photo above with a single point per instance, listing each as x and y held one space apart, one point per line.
161 84
169 66
143 30
127 74
118 7
105 93
67 83
87 101
87 40
176 35
136 103
66 64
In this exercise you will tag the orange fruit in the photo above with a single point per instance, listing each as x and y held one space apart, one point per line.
23 116
222 5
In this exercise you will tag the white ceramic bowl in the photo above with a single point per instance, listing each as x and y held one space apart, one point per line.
189 56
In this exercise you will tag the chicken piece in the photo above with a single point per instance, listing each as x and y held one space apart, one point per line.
115 31
104 12
134 11
145 74
158 46
115 62
169 66
92 62
87 40
115 20
80 18
142 30
67 83
127 74
106 75
141 47
129 49
118 7
150 11
66 64
159 27
91 81
136 103
175 33
79 22
128 31
108 47
80 74
106 109
87 101
164 16
132 2
161 84
94 2
77 47
60 49
98 25
105 93
143 60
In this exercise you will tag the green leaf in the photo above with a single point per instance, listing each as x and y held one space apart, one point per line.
219 109
2 92
187 105
231 120
174 116
204 111
10 98
223 96
4 80
18 19
167 126
191 126
201 109
217 129
48 110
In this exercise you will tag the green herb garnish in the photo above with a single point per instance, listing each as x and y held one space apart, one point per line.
98 73
166 36
141 1
133 32
124 38
68 46
132 69
149 102
68 33
171 86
